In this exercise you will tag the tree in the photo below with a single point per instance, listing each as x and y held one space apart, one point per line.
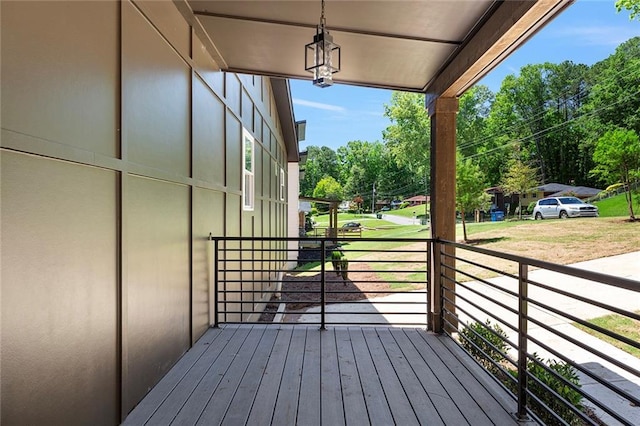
328 188
474 107
617 156
632 6
520 178
536 113
360 163
613 99
409 136
470 186
321 162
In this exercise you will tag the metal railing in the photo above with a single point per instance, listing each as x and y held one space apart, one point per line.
520 318
374 281
534 342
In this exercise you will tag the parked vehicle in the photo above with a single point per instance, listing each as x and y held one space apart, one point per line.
351 226
563 207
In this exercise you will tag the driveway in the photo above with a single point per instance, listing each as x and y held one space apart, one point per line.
399 220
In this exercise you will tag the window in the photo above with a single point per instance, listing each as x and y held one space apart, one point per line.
281 184
248 180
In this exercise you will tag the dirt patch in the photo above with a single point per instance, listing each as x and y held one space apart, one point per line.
301 290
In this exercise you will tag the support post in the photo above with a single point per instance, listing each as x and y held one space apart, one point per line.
443 209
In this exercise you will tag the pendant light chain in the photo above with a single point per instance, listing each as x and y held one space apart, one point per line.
323 21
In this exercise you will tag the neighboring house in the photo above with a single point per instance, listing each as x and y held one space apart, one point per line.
417 200
344 206
381 203
123 148
500 201
395 204
557 190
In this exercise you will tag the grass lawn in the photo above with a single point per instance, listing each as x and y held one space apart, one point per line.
619 324
617 206
408 211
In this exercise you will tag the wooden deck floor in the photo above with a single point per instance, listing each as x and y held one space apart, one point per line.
286 375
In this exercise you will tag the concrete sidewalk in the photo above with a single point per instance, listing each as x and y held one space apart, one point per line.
627 265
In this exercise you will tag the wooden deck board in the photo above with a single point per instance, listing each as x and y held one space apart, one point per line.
446 407
265 400
286 375
458 392
355 408
418 398
374 396
239 410
286 409
190 412
249 359
332 410
309 412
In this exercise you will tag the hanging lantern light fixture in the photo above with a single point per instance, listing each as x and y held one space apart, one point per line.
322 56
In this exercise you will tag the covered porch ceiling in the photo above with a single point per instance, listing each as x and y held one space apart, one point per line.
438 47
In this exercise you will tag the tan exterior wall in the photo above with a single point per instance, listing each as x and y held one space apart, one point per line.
120 152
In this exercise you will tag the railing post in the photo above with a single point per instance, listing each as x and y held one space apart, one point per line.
428 284
523 295
436 289
215 283
322 286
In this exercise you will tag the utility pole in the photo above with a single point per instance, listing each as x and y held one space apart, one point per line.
373 198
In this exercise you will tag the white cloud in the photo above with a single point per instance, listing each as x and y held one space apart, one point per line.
598 35
318 105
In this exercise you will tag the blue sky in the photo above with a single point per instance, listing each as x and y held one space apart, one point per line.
587 32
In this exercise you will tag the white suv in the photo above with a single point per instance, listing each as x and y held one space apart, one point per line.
563 207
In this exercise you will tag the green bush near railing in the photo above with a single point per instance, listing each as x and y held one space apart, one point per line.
484 345
487 344
536 368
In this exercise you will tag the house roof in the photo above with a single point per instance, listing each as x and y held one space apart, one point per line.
440 48
284 106
559 189
554 187
578 191
418 198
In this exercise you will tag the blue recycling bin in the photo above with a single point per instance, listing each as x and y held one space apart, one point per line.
497 216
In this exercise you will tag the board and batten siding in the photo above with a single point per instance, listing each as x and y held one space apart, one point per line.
120 152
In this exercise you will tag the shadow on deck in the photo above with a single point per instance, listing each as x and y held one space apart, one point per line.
285 375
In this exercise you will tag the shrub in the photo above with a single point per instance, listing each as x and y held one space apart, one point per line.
531 206
340 264
485 345
404 205
314 212
558 406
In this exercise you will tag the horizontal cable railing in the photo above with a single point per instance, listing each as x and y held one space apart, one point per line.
531 324
323 281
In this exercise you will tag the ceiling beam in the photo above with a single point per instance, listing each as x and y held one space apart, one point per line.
511 24
331 28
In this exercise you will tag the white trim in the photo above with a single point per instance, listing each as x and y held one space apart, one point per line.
248 174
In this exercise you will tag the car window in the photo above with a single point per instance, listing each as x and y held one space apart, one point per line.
553 202
570 200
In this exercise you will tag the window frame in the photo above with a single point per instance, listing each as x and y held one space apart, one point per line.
282 185
248 176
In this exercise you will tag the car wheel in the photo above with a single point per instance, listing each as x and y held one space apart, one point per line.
538 216
563 215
